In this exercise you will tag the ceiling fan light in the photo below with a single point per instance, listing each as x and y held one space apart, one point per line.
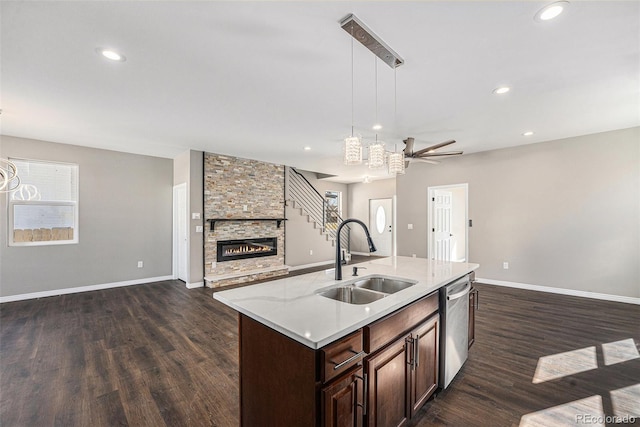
352 151
376 155
396 163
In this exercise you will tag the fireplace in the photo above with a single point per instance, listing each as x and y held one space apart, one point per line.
229 250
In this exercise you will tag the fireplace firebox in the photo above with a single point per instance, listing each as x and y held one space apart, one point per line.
229 250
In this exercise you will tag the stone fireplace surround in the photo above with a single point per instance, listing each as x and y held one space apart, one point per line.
248 195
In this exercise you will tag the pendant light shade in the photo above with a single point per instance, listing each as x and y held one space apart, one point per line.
376 155
396 163
352 151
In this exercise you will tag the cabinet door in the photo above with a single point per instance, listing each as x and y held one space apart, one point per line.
387 394
342 401
473 302
424 369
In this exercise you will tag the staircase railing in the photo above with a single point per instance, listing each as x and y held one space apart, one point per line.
314 205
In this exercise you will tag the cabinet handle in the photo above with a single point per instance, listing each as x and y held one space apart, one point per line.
365 393
410 353
416 351
349 360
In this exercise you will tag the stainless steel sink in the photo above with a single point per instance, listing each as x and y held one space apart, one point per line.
352 295
367 290
383 284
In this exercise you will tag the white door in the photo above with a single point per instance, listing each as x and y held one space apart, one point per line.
180 229
381 225
442 205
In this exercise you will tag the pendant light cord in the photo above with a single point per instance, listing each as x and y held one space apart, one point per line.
352 80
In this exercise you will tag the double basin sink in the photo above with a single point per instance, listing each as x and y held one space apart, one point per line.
367 290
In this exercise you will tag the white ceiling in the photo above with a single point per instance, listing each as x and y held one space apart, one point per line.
264 79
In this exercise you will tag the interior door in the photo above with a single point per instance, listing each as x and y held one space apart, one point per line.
381 225
180 225
442 207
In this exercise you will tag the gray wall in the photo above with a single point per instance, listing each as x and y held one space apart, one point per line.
187 168
301 237
125 210
359 196
564 213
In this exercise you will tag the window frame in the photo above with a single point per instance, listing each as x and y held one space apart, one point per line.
11 203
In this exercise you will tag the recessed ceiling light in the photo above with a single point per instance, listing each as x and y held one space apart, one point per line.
501 90
527 133
377 126
551 11
111 54
307 148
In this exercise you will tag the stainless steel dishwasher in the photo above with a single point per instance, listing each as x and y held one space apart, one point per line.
454 337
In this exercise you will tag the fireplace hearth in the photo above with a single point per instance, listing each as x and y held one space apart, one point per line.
229 250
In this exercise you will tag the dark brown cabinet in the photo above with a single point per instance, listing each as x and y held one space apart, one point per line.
379 375
402 376
424 377
473 306
387 397
343 401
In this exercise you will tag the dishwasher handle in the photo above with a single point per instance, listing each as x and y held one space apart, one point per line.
460 294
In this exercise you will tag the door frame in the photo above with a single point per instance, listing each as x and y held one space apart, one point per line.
430 234
176 244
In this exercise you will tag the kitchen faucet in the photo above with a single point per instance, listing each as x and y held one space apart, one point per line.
372 247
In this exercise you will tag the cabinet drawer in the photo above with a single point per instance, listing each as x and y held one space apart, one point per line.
341 355
383 331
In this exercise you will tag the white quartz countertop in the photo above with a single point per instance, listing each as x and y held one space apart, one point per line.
293 307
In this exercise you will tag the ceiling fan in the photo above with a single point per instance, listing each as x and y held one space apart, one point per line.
426 154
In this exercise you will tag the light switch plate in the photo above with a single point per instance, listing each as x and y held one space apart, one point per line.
199 229
409 226
195 215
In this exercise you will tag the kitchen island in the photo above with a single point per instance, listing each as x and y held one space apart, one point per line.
309 360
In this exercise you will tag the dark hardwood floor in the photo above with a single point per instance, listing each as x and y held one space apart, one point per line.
159 354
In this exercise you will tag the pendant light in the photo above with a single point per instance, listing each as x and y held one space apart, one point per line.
396 160
376 149
352 144
9 179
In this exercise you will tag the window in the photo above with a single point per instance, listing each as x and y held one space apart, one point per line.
43 210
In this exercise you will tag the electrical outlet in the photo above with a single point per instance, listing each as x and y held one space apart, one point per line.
310 251
245 208
409 226
413 255
505 265
140 264
199 229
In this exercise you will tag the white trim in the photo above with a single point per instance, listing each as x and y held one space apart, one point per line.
194 285
314 264
563 291
89 288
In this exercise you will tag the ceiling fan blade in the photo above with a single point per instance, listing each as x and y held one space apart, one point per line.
408 149
434 147
448 153
422 159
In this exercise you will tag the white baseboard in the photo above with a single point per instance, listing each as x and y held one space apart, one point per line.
195 285
563 291
315 264
65 291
